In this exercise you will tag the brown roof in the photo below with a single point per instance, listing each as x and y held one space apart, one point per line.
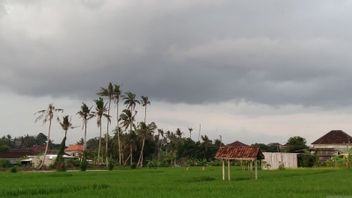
22 152
334 137
239 153
17 153
74 148
237 143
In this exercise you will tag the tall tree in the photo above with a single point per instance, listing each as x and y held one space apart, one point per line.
85 114
130 100
100 109
144 131
190 132
65 125
109 93
127 121
47 115
145 102
116 97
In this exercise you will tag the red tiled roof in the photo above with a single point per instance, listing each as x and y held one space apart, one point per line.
334 137
74 147
239 153
237 143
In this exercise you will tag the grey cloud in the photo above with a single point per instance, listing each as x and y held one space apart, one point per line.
187 51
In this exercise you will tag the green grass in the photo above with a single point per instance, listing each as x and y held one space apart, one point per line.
177 182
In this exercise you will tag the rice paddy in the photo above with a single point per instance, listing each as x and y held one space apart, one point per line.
177 182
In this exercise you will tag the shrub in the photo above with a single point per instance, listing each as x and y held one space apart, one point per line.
84 163
306 160
111 165
133 166
14 169
5 163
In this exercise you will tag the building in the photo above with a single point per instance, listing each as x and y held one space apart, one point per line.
14 156
333 143
75 150
237 143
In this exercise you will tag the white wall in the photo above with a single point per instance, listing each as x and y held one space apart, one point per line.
289 160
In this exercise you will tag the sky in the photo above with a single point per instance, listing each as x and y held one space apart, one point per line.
248 70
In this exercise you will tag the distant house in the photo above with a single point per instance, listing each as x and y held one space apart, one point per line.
75 150
237 143
14 156
333 143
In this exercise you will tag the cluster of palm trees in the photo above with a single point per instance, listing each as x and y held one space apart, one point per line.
101 111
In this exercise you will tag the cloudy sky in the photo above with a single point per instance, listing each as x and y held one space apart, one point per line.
249 70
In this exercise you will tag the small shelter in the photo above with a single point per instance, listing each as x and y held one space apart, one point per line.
244 153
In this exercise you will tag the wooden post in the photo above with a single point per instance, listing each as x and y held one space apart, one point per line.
229 170
223 169
256 169
251 166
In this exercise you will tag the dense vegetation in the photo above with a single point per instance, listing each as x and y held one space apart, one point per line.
178 182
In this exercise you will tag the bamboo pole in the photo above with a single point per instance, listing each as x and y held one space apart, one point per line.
223 169
228 170
256 169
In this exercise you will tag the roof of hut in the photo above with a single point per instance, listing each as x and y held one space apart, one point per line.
239 153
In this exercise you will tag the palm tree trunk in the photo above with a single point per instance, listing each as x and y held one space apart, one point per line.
99 146
47 145
145 114
107 136
85 136
118 132
131 154
140 160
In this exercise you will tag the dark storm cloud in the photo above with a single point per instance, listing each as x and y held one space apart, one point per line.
270 52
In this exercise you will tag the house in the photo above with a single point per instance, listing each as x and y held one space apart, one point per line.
237 143
15 155
75 150
333 143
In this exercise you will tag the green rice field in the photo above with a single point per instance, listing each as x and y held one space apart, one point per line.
178 182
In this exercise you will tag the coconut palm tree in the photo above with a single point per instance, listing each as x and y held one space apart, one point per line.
65 125
144 131
109 93
116 98
85 114
145 101
100 110
190 132
47 115
130 100
127 121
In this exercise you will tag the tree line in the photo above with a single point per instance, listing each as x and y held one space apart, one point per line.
131 141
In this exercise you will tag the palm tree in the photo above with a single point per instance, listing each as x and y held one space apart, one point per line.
116 98
109 93
127 121
130 100
145 101
206 143
144 131
47 115
85 114
65 125
100 110
190 132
